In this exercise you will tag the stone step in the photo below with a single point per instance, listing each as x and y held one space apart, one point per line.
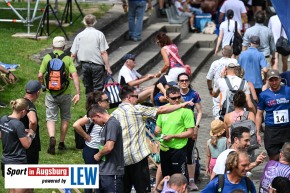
150 55
191 53
148 34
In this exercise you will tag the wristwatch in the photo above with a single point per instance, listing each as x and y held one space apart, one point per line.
31 136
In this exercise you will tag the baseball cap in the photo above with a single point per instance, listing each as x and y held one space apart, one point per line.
255 40
273 73
232 63
58 42
33 86
129 56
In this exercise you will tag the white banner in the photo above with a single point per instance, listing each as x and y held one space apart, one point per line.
51 176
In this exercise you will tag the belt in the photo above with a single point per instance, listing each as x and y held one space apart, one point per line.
90 63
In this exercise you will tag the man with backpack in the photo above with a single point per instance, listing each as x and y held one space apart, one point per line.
55 71
240 141
238 164
228 86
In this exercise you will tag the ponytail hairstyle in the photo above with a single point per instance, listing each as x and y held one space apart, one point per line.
162 39
94 98
230 15
19 104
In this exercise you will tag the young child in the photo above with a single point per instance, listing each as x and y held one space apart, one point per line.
215 145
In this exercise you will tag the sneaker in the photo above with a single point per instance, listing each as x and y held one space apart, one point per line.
2 105
61 146
192 186
51 148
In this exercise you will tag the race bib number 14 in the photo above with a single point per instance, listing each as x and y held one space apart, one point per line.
280 116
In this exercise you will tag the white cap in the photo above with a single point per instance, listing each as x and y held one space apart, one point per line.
58 42
232 62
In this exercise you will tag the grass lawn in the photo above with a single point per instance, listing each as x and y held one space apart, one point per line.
19 51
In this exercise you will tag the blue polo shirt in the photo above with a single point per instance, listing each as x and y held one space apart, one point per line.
252 62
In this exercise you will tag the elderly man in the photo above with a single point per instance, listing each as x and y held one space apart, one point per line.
237 166
56 100
90 47
253 62
276 168
129 76
131 117
214 73
276 102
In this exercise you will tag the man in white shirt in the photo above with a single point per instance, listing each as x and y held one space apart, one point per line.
214 74
221 86
129 76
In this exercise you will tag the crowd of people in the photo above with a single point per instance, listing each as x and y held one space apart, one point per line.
246 89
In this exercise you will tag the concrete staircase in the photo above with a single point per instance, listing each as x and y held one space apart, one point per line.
195 49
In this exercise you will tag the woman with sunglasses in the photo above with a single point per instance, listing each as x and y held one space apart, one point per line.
169 52
188 94
15 138
92 138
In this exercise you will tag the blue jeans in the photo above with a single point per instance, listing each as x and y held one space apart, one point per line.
88 156
111 184
135 18
196 11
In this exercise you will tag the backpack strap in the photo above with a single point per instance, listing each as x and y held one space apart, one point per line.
228 83
242 85
52 55
90 128
249 184
62 56
221 183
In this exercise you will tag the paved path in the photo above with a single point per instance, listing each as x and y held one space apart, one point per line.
199 84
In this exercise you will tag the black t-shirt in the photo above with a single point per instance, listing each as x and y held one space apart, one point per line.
35 145
11 130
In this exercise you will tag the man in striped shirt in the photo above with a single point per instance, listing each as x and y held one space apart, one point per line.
131 116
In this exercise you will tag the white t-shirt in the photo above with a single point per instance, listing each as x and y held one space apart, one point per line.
177 6
128 75
275 25
237 6
235 82
220 165
228 31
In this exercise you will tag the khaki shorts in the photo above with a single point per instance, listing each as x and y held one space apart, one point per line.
61 103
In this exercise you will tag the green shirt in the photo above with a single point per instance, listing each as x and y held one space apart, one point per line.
174 123
69 69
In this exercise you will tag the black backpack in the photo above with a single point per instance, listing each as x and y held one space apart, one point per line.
56 78
282 45
79 140
221 183
228 105
236 41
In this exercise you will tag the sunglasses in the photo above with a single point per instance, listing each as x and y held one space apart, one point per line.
133 95
105 100
174 98
185 80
